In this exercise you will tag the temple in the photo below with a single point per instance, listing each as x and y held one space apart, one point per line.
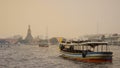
29 37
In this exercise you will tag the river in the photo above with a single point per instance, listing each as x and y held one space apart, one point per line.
32 56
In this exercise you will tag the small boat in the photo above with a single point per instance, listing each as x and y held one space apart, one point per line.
43 43
95 52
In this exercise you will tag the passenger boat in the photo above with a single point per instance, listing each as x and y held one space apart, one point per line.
96 52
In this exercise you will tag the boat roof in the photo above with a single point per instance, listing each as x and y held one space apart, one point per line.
94 43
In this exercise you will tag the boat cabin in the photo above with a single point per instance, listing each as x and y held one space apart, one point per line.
87 51
78 46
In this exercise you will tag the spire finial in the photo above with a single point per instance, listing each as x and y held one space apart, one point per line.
29 26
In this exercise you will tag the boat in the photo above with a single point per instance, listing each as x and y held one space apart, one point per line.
43 43
86 51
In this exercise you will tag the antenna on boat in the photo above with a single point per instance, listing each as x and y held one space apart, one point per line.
97 30
47 35
97 27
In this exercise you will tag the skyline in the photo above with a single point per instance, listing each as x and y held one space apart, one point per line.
66 18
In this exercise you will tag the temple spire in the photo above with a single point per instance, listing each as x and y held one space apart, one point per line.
29 37
29 26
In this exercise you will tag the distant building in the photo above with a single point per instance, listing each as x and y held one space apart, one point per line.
112 39
28 38
36 40
56 40
94 37
4 41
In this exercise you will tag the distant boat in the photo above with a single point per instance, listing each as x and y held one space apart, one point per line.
43 43
96 52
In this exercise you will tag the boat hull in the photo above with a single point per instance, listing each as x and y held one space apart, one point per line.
43 45
96 57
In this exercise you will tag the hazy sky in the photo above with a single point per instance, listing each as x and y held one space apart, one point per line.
67 18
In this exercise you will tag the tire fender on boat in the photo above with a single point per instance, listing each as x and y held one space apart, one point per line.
71 48
84 53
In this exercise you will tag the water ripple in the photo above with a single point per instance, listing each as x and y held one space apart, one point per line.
40 57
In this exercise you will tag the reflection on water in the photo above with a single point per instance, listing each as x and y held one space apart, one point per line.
27 56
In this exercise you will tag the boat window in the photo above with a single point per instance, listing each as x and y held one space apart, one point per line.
68 42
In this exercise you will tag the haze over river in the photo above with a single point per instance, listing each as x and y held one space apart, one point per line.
31 56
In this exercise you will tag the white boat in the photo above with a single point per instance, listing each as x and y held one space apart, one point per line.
86 51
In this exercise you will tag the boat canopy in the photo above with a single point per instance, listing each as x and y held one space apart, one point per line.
94 43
